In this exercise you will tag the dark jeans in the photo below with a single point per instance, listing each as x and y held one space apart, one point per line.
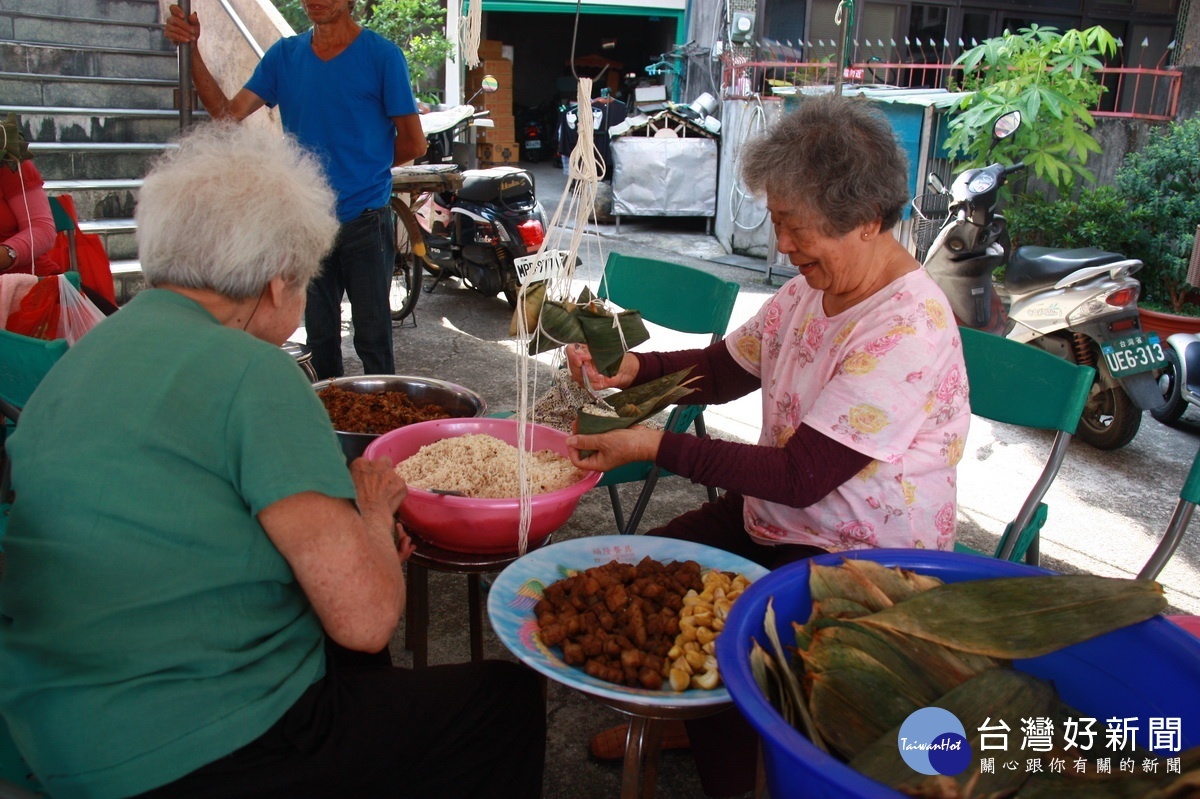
360 266
368 729
724 745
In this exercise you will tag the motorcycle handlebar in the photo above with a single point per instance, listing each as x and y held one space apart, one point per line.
1017 167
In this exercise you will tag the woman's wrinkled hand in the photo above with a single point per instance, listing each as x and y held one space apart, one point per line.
180 29
584 372
377 485
614 448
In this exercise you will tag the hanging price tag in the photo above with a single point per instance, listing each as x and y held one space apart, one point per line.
544 266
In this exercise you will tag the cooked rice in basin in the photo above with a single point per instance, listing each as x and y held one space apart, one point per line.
484 467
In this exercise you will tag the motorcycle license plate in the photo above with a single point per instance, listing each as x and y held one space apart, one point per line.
533 144
1137 352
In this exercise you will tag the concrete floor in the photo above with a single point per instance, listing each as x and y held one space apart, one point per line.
1107 509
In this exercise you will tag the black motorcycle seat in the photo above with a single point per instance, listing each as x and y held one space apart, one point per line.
495 183
1031 268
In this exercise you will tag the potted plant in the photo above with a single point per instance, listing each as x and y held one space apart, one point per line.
1162 182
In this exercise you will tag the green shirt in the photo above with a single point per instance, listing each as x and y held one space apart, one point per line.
147 624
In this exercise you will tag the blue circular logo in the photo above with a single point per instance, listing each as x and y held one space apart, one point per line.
933 741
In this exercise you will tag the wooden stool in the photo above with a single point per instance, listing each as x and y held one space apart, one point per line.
427 556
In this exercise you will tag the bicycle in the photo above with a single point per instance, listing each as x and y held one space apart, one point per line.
411 186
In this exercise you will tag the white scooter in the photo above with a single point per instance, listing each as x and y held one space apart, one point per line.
1078 304
1179 381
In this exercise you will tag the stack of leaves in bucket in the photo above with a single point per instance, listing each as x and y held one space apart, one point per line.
883 642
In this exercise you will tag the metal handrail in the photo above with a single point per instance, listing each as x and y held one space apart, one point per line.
241 26
185 59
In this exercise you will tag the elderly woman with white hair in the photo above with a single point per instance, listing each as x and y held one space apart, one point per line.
198 594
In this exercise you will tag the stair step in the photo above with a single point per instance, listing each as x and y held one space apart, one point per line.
27 88
108 226
140 11
119 236
74 29
99 199
41 125
86 161
62 59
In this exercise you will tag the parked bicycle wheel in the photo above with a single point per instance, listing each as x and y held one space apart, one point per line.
407 274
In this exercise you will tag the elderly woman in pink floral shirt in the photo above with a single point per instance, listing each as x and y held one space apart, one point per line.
864 390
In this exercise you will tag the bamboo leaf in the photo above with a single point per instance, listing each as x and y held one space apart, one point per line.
791 684
1022 617
994 694
637 404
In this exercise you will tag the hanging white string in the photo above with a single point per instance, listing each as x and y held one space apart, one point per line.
578 203
470 30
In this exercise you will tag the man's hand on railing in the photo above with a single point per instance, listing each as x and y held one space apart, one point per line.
181 29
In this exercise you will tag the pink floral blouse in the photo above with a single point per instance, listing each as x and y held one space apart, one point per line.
886 378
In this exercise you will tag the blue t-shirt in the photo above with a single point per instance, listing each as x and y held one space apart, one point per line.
341 110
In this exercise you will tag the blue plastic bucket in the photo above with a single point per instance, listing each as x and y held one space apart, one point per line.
1151 669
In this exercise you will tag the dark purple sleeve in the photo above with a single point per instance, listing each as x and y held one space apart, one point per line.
797 474
721 377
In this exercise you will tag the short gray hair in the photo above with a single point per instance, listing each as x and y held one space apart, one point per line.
836 156
232 207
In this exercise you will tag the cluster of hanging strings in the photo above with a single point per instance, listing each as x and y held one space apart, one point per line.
577 204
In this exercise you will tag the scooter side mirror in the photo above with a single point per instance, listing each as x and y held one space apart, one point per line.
935 183
1006 125
487 85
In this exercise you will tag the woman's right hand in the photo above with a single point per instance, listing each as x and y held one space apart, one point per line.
180 29
584 372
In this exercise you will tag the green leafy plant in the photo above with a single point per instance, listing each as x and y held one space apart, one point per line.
1048 77
1162 182
417 26
1098 217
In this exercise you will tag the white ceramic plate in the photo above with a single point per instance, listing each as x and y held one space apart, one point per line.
517 590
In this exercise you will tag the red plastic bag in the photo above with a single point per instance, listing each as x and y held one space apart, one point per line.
95 270
39 313
54 309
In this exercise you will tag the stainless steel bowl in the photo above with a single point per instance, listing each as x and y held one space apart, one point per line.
456 400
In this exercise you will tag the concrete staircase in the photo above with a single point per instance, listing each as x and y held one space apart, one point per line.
94 82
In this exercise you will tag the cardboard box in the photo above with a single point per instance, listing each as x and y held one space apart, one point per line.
497 153
503 131
499 68
491 49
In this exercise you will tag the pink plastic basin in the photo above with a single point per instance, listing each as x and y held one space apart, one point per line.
464 524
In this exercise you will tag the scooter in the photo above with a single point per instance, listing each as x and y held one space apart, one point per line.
475 231
1079 304
1179 381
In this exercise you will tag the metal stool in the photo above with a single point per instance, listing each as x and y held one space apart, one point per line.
303 355
428 556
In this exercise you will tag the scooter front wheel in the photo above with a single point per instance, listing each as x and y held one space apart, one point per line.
1110 419
1172 391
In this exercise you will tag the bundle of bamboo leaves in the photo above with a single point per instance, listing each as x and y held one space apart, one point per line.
881 643
556 323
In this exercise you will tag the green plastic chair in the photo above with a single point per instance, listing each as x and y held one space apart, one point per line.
1189 497
63 223
1017 384
683 299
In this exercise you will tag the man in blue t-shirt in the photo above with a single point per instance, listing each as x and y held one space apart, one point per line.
344 93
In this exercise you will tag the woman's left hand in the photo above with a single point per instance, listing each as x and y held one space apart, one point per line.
614 448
